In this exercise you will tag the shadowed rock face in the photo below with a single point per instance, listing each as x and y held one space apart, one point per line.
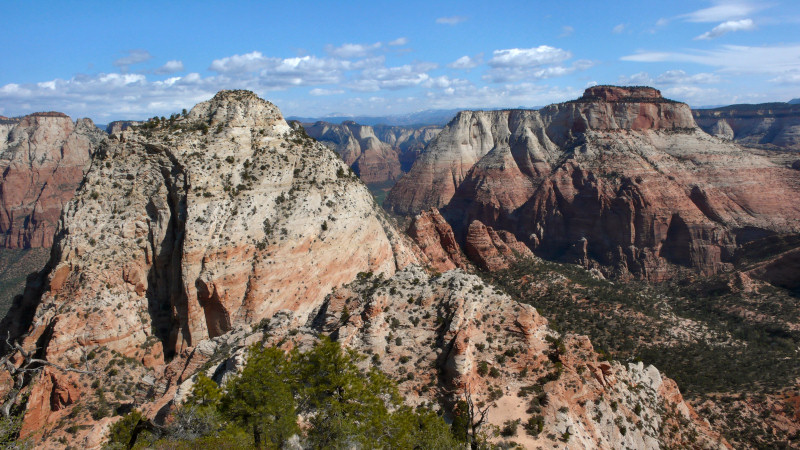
619 177
771 125
377 154
43 157
183 231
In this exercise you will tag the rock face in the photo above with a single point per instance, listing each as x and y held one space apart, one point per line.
185 229
435 238
493 250
118 126
620 177
43 157
771 125
377 154
504 354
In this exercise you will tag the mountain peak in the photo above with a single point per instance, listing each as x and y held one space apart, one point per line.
238 108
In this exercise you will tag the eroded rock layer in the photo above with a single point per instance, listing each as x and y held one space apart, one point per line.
620 177
377 154
773 125
187 228
43 157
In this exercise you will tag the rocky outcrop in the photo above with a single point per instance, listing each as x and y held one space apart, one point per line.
619 178
770 125
118 126
435 238
493 250
450 335
43 157
186 229
377 154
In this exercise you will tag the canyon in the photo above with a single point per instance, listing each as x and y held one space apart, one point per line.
194 237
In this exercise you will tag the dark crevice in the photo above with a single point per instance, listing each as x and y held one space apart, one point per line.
166 298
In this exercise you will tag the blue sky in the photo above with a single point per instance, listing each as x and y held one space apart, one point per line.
118 60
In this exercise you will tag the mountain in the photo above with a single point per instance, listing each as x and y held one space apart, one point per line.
620 179
769 125
377 154
193 238
436 117
794 101
43 157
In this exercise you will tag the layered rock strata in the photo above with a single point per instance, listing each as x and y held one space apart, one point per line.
772 125
187 228
43 157
377 154
620 177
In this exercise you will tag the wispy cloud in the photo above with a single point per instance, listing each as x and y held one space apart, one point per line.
774 59
170 67
353 50
135 56
724 10
670 77
618 29
451 20
727 27
323 92
466 62
399 41
566 31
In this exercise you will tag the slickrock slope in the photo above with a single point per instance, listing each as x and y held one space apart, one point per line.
377 154
186 229
772 125
619 177
444 336
43 157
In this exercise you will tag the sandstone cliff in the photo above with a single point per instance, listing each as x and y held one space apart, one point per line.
43 157
377 154
771 125
620 177
185 229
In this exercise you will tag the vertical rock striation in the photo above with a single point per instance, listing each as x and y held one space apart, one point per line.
43 157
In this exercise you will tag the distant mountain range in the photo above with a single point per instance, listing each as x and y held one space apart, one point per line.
426 117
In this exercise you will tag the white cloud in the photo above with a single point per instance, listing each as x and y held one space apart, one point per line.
681 77
637 79
322 92
349 51
281 73
466 62
670 77
249 62
528 57
787 78
662 22
618 29
566 31
452 20
733 58
133 57
392 78
727 27
170 67
399 41
724 10
517 64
